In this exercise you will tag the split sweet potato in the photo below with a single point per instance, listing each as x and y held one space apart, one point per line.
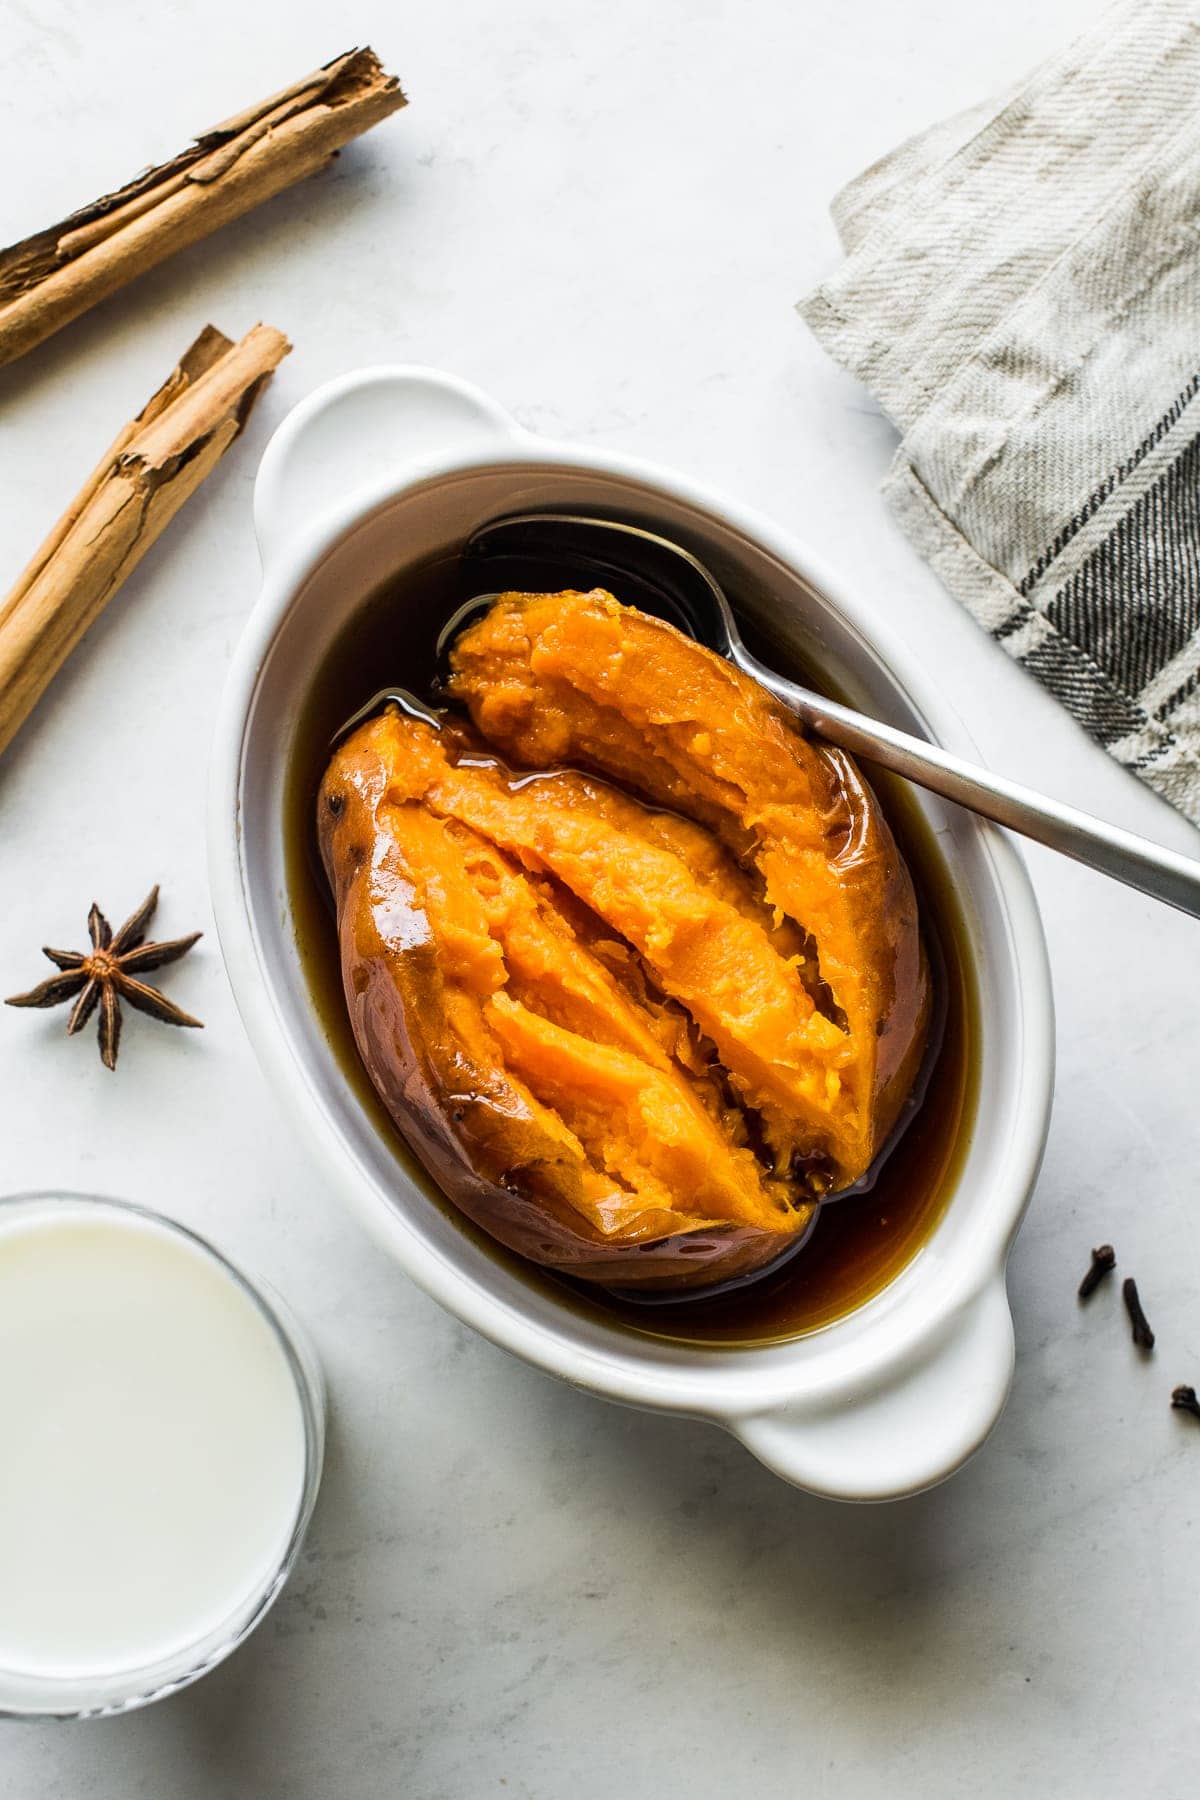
634 1032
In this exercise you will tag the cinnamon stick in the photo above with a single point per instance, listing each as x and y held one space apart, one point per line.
153 465
52 277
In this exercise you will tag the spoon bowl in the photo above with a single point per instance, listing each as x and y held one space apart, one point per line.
651 572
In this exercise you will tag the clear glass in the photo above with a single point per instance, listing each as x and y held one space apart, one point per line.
42 1697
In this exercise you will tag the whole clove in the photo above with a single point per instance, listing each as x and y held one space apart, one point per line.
1104 1258
1183 1399
1143 1337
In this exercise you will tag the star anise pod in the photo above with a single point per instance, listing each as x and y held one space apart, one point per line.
108 973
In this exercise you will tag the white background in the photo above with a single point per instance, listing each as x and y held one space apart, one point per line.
602 214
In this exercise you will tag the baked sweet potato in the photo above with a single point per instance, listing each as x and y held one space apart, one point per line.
632 1044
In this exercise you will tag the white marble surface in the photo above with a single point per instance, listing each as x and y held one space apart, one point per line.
603 215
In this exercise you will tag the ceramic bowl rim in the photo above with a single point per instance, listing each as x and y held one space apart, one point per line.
648 1373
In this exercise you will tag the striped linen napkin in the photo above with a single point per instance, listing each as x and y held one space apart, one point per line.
1021 292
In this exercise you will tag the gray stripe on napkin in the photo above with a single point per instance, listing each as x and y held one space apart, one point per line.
1136 601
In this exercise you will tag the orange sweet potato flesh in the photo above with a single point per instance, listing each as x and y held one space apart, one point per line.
633 1044
573 678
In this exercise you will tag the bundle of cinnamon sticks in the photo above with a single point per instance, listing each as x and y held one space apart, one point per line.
160 457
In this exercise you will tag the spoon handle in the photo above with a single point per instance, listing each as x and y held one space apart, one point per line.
1164 874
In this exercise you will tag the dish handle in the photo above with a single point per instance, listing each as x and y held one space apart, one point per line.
358 429
905 1431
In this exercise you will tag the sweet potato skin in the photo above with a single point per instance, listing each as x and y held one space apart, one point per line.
485 1143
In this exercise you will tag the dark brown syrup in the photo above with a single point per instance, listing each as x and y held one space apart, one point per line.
859 1243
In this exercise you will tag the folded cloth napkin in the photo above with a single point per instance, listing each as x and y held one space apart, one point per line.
1022 294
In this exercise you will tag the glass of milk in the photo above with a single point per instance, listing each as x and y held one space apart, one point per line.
161 1437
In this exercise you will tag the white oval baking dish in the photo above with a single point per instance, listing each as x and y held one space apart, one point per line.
381 470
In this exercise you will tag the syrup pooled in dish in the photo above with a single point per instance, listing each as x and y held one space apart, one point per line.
634 965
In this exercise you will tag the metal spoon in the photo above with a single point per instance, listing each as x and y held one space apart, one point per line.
660 577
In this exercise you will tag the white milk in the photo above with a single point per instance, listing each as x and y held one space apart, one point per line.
152 1442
